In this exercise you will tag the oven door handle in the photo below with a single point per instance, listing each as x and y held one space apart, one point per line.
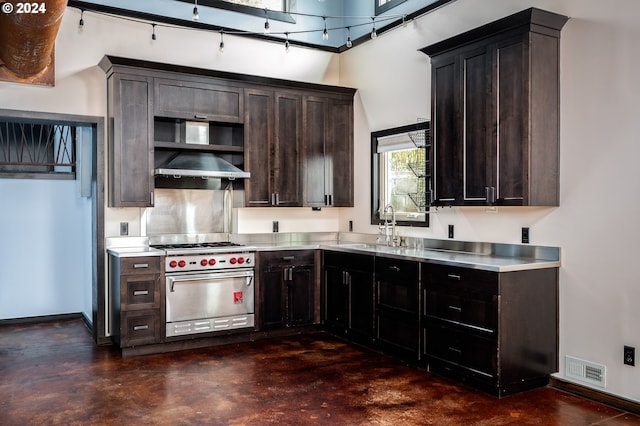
217 276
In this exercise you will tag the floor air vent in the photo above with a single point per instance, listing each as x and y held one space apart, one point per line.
585 371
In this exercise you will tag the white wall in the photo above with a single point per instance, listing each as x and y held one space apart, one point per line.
597 223
45 248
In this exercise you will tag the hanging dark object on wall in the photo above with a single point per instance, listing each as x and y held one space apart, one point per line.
27 37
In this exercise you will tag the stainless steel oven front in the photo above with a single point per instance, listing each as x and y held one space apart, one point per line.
209 293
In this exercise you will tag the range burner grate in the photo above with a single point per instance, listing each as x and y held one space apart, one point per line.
215 244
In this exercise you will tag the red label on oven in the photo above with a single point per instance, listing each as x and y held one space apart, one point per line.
237 297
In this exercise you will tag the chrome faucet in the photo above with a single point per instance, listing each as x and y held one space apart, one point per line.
391 238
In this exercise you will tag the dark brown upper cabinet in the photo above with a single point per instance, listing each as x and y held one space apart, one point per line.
263 125
131 150
273 135
198 99
328 151
495 113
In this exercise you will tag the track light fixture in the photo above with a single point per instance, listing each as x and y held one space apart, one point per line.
196 15
325 34
287 44
267 30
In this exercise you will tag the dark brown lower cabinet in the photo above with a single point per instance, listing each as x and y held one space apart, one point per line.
287 288
348 296
398 307
137 285
496 331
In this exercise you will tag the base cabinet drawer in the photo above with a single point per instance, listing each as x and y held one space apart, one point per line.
139 265
478 312
139 328
465 350
140 292
398 333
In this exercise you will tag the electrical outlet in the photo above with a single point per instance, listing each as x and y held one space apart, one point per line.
450 231
630 355
276 226
350 226
124 228
525 235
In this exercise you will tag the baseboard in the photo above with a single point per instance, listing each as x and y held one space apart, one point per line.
596 395
44 318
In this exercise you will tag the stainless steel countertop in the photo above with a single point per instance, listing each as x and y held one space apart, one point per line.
484 262
493 257
135 251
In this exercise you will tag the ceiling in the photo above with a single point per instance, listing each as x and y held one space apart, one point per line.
303 26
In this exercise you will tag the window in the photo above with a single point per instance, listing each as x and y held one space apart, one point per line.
400 174
36 148
275 5
384 5
278 9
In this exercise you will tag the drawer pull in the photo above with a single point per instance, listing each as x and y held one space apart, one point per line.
200 116
288 257
140 327
456 350
394 268
455 308
454 277
141 292
140 265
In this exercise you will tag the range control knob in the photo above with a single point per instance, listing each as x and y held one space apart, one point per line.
204 262
241 260
182 264
233 260
173 264
248 260
212 262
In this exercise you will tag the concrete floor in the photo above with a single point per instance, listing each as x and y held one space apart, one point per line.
53 373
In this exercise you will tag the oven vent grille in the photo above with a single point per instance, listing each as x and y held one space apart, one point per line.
585 371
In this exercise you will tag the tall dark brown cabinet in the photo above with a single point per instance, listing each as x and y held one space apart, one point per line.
131 179
495 113
273 130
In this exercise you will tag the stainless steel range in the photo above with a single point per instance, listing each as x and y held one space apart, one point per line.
209 287
209 281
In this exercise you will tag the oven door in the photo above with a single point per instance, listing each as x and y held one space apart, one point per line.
209 295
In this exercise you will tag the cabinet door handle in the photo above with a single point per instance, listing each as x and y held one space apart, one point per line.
454 277
273 198
140 265
141 292
490 194
456 350
394 268
455 308
140 327
277 198
200 116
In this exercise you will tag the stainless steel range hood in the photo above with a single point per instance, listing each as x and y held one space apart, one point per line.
199 164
